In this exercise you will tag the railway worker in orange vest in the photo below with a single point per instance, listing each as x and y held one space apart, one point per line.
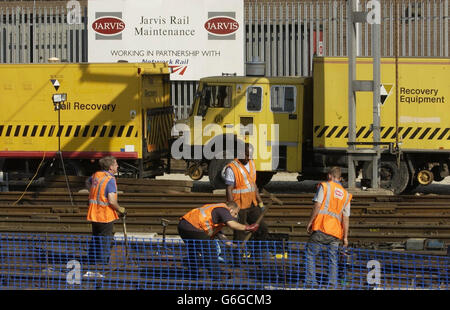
206 223
240 179
328 226
103 210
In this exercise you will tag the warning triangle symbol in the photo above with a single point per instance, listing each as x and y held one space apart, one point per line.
385 91
387 87
55 84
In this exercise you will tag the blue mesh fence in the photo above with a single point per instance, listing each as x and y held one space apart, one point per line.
83 262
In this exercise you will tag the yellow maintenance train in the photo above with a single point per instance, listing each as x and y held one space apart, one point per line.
300 124
295 124
86 111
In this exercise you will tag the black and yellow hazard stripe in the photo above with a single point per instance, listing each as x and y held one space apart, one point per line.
74 131
365 132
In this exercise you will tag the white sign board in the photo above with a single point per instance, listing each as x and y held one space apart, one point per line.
197 38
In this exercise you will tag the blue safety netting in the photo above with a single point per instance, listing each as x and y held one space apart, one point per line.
77 262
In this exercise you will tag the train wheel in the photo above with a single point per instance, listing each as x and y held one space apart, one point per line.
195 172
425 177
392 177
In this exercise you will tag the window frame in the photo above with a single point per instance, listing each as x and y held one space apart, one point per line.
246 98
213 97
295 98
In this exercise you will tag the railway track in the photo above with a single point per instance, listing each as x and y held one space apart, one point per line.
374 218
80 198
377 222
41 262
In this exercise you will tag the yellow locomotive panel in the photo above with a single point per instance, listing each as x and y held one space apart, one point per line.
423 103
254 102
103 112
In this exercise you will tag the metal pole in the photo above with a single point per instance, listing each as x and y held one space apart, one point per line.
376 55
59 133
358 31
59 127
351 48
446 18
354 17
396 52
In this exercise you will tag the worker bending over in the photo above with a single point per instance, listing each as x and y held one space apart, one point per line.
206 223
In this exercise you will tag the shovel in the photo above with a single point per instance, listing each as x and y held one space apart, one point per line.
124 225
266 208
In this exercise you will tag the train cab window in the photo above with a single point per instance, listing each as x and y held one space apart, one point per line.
282 99
254 99
215 96
218 96
222 96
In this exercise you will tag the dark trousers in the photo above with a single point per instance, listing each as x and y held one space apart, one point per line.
100 246
200 253
250 216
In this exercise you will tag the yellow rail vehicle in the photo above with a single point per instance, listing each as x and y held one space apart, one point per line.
120 109
300 124
420 118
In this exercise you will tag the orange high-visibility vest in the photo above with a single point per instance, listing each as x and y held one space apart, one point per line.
201 218
329 219
99 209
244 192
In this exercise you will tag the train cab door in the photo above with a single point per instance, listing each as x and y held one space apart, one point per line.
217 114
286 113
250 117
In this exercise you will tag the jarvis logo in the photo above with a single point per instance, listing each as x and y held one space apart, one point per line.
338 194
221 26
108 25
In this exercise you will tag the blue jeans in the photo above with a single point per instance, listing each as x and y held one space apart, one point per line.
317 242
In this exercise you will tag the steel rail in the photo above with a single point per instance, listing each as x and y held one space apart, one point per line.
382 217
294 197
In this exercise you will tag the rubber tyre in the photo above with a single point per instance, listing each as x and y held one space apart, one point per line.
215 168
392 177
